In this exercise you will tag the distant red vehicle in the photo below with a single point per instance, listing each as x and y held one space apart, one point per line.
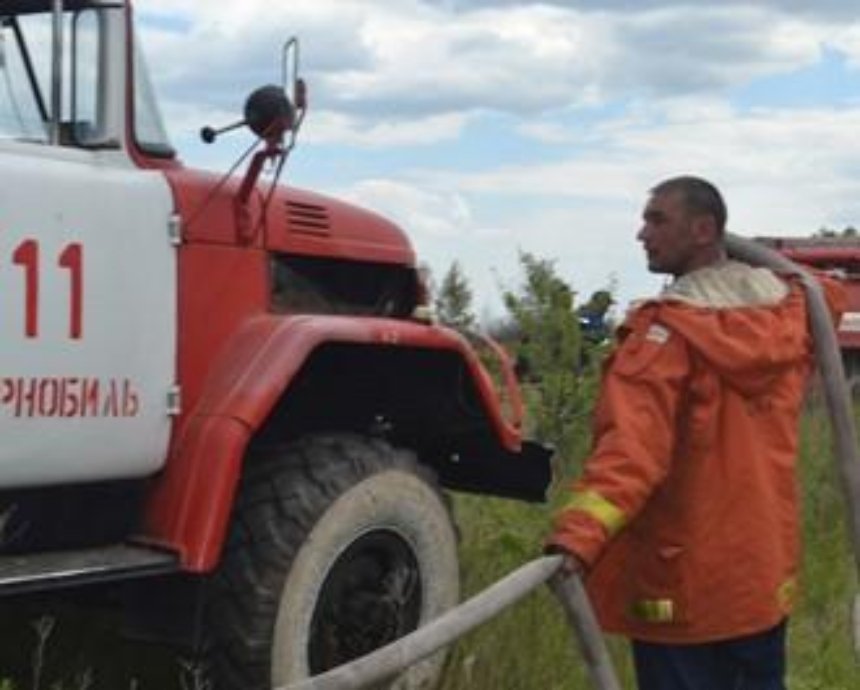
839 256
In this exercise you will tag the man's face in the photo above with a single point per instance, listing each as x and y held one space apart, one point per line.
667 234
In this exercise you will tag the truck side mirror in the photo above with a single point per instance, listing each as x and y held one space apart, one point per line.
269 113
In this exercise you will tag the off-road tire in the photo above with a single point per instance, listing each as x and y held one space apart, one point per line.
341 520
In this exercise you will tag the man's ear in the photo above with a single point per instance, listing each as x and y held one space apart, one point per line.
705 230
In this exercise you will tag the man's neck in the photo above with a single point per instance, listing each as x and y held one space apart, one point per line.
711 257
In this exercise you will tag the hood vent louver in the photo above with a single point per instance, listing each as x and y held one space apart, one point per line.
309 219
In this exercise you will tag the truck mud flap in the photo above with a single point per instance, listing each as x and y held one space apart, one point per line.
524 476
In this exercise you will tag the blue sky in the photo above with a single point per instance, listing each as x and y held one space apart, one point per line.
490 127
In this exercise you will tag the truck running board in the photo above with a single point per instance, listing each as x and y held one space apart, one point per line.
60 569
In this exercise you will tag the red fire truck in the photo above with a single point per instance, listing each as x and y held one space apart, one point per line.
222 391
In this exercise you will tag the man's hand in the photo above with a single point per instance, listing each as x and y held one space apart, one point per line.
570 565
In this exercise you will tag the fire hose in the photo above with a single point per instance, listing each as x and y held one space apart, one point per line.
386 662
836 393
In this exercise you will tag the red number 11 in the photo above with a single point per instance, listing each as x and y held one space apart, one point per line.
71 258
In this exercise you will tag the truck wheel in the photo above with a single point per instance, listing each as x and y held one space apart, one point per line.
339 544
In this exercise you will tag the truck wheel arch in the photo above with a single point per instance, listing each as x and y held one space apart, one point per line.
189 505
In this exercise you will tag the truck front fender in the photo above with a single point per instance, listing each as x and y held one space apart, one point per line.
190 502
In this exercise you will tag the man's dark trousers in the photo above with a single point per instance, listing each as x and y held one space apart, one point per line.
756 662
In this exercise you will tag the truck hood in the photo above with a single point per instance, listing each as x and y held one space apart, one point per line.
296 221
304 222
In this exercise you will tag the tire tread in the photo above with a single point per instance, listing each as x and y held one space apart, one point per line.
283 493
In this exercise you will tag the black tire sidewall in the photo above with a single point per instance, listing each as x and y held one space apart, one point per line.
394 500
299 508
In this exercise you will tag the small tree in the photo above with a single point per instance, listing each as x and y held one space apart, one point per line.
550 358
543 310
847 231
454 300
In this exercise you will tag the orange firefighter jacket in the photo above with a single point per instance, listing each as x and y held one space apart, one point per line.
687 510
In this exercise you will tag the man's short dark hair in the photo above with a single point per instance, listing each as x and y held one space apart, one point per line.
700 197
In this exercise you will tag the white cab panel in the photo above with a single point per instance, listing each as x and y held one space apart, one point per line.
87 316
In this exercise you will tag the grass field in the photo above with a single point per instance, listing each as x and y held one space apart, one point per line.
528 647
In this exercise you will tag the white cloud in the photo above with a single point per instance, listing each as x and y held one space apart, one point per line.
425 213
801 154
484 60
847 40
336 128
781 172
704 50
822 9
408 59
547 132
404 73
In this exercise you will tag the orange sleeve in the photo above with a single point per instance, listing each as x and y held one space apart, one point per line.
634 437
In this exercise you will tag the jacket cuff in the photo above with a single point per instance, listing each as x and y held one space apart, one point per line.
580 535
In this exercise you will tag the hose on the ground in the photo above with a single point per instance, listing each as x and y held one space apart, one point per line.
390 660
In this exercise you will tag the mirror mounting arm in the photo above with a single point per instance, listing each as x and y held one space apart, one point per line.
246 227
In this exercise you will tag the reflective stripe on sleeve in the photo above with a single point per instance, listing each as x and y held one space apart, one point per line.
653 610
593 504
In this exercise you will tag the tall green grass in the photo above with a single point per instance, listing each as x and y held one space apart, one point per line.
531 648
820 646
